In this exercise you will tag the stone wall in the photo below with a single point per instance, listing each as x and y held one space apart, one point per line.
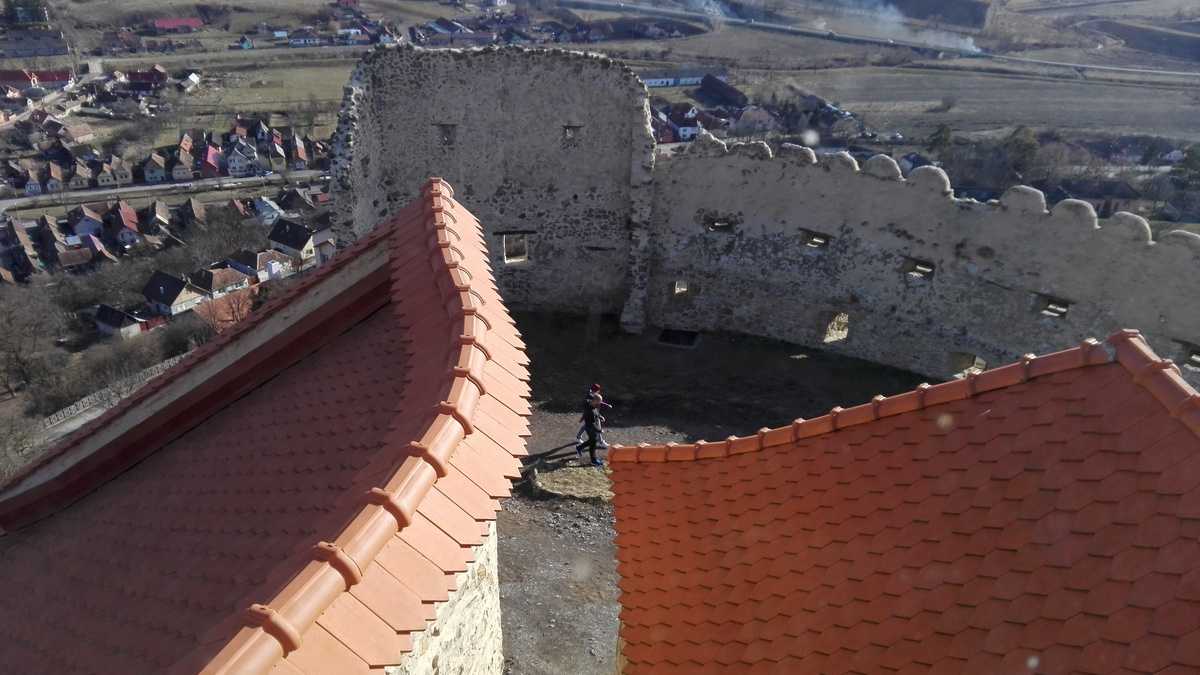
866 263
552 146
466 638
734 238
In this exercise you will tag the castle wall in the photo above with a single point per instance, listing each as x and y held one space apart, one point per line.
731 223
554 146
733 238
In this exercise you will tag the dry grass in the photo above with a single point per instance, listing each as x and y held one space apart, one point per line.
902 98
750 49
577 482
280 87
1149 8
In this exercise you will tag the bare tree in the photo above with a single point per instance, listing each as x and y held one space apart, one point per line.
30 321
19 437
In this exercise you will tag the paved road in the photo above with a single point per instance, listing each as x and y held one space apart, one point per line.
204 185
861 39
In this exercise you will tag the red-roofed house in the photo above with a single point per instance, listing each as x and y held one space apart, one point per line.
54 79
1039 517
213 164
217 282
154 78
18 79
313 491
123 224
177 25
56 177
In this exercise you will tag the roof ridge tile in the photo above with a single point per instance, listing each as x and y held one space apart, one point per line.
391 510
1160 377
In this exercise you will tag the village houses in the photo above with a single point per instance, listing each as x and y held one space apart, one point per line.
170 296
155 168
214 283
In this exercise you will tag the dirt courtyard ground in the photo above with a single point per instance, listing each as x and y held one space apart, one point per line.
557 562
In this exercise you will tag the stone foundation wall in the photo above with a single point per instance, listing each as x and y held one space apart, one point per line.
466 638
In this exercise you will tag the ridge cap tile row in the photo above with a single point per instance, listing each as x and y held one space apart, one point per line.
1161 377
452 423
268 518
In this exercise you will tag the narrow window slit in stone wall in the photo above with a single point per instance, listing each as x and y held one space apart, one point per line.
965 363
917 269
446 134
838 328
1189 357
515 247
571 135
1052 307
814 239
680 287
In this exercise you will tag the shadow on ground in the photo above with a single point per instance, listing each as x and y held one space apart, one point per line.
558 581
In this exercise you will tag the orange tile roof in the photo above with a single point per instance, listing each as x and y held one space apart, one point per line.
1040 517
310 525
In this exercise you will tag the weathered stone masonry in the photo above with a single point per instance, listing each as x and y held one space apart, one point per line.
503 126
823 254
921 280
466 638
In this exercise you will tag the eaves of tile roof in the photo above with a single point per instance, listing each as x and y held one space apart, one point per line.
1040 517
294 496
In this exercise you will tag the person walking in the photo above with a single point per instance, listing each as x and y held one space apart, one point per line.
593 391
592 426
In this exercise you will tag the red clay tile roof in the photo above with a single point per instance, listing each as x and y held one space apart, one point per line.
178 22
310 525
1040 517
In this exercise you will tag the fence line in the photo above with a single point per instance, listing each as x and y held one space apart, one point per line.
109 395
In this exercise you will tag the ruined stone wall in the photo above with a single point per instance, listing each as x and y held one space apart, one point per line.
861 262
736 226
466 638
551 145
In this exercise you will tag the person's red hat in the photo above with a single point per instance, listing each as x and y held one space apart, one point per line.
595 387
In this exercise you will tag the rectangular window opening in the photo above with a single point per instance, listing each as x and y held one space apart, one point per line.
1190 356
838 328
965 363
683 339
917 269
813 239
1052 307
680 287
571 135
447 134
516 247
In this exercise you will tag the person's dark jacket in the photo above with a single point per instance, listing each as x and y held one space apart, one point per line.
591 416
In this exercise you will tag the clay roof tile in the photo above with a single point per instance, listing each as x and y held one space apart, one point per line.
1046 503
290 485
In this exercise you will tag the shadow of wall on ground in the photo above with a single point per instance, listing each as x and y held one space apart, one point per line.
726 384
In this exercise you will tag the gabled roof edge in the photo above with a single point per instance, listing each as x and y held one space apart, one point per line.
1161 377
192 359
273 630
